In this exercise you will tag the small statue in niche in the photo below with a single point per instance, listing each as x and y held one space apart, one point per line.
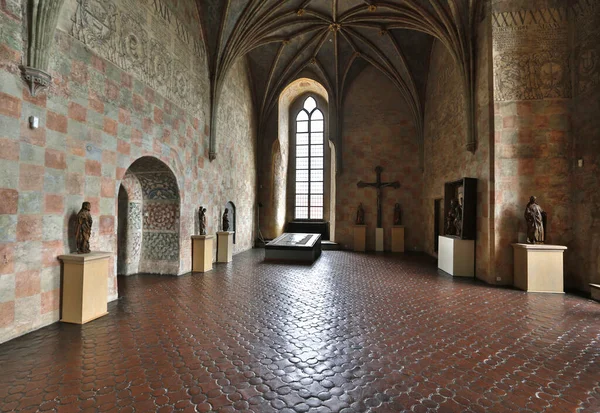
536 222
226 220
84 229
397 215
360 215
451 218
202 220
458 213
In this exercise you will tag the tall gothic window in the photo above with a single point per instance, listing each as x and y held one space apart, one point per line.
309 161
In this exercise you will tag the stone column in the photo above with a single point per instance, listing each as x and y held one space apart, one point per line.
532 94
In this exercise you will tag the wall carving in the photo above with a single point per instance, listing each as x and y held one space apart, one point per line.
587 47
134 233
531 54
147 39
159 246
156 186
161 217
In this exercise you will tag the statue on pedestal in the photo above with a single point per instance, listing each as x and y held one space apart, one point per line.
536 222
397 215
226 220
84 229
360 215
202 220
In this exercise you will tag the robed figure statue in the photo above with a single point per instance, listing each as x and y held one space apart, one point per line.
360 215
536 220
202 220
84 229
226 220
397 215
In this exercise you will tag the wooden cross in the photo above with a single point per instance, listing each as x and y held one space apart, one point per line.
379 185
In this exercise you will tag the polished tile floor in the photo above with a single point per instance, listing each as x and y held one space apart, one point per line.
352 333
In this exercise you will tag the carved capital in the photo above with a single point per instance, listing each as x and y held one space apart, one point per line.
471 146
37 80
212 156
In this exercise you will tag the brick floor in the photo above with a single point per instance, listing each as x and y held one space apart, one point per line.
352 333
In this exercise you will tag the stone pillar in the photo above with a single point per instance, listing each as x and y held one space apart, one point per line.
532 94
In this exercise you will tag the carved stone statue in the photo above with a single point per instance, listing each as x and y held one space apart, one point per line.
202 220
360 215
226 220
397 215
535 218
451 218
458 218
84 229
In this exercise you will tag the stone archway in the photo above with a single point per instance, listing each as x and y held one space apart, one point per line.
148 223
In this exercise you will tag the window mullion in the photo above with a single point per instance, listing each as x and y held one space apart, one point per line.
309 164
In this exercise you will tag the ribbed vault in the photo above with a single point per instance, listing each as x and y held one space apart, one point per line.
334 40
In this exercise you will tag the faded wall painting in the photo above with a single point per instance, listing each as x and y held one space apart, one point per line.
531 54
151 39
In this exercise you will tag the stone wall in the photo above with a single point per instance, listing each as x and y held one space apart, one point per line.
533 148
378 130
446 157
583 259
99 116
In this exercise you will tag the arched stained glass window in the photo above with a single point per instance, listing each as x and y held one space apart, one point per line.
309 161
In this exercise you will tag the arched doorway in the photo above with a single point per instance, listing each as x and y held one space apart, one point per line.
148 221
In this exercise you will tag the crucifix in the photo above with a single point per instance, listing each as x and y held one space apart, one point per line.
379 185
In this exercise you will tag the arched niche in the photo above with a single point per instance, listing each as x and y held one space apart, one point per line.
148 223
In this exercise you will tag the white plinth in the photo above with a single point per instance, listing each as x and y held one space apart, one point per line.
378 239
202 253
539 268
457 256
595 289
225 246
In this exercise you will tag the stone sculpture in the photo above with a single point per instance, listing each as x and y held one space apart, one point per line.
202 220
360 215
84 229
397 215
226 220
535 218
451 218
458 213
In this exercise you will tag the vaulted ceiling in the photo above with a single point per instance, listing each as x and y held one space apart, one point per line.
334 40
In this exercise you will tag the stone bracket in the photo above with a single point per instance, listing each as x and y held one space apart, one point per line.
37 80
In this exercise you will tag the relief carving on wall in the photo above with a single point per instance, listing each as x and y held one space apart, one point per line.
159 186
531 54
164 54
587 46
161 246
161 217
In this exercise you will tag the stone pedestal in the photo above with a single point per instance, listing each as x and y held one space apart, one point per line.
378 239
225 246
398 238
360 238
539 268
595 290
202 253
456 256
85 286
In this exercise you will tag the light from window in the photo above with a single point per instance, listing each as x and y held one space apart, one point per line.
309 161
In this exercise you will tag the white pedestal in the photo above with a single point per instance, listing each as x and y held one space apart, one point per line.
360 238
202 252
457 256
398 238
225 246
378 239
539 267
85 286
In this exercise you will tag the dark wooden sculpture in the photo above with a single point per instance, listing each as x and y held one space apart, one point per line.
397 215
536 222
226 220
84 229
360 215
379 186
202 220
